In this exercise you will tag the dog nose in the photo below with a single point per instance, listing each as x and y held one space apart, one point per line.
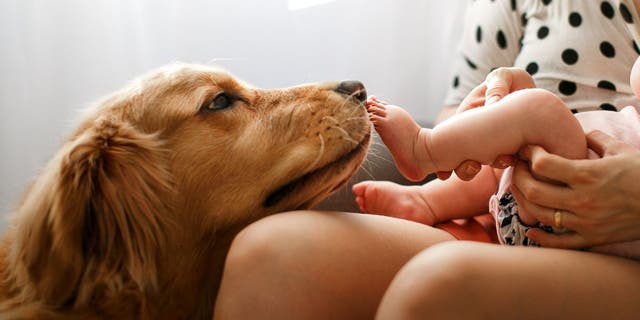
353 88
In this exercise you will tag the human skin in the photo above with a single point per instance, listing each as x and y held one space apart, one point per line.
600 202
331 265
598 196
412 202
476 134
470 280
531 116
497 85
319 265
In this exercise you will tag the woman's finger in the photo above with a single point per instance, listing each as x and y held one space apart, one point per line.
503 161
468 169
604 144
540 192
443 175
503 81
598 141
474 99
498 85
551 166
569 240
530 213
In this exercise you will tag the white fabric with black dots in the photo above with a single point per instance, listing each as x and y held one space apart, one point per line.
580 50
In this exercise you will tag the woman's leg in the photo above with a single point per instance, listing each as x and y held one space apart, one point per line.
466 280
317 265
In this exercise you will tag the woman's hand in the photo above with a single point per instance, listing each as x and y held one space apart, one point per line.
599 199
497 85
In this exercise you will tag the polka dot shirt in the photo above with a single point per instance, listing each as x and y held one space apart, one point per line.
580 50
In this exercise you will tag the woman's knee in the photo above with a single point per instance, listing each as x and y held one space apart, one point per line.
436 282
267 240
260 259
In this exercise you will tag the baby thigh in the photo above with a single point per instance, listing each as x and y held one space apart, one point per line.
317 265
467 280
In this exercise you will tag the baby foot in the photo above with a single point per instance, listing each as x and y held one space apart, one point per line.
394 200
403 136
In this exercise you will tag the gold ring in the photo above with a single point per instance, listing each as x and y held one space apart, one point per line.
557 219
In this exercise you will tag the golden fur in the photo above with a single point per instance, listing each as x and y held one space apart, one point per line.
134 214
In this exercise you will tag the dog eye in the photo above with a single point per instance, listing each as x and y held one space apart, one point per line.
221 101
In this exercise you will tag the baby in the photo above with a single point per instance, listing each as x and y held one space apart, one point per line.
525 117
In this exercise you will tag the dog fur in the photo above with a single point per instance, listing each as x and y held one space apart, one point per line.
134 214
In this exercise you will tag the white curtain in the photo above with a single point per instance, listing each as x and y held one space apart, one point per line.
57 56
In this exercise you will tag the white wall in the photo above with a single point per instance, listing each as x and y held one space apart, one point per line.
57 56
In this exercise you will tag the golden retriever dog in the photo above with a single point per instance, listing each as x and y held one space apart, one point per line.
134 214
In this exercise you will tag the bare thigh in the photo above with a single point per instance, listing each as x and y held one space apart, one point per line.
467 280
317 265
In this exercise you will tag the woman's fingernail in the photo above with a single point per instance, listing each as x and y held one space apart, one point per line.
472 169
492 99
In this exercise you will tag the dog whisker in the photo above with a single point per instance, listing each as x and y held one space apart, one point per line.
378 157
332 119
356 93
344 103
365 170
319 155
351 119
346 135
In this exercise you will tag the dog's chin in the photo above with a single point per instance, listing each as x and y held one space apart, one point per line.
306 191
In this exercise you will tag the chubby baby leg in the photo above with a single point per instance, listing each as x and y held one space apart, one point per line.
525 117
530 116
431 203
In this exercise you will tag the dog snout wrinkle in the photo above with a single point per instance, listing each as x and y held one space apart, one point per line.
353 88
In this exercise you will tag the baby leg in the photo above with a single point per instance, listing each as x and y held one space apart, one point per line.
525 117
531 116
431 203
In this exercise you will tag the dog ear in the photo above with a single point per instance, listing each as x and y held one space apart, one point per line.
98 212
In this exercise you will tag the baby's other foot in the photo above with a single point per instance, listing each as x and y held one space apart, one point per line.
403 136
394 200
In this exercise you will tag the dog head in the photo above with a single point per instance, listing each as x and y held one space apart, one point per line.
186 146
